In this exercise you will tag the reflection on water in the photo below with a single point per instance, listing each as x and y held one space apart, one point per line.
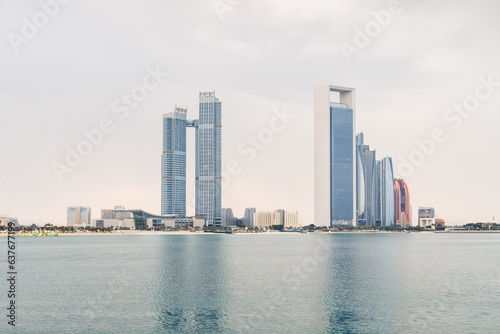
191 289
334 283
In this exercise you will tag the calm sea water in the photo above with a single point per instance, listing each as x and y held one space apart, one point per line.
348 283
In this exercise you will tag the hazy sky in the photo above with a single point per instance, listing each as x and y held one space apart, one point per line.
68 75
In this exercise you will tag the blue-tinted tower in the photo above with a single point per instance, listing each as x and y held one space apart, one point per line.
173 163
209 160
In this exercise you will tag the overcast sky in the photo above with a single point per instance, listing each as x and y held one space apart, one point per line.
261 57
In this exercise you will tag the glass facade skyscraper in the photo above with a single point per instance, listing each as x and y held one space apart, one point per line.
173 163
342 159
334 157
209 160
387 195
375 203
208 170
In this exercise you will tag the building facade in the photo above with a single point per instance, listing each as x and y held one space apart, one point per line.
227 217
334 157
79 216
425 212
248 217
173 163
4 220
209 159
387 194
277 218
402 199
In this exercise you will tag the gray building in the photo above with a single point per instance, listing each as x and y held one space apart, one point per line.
375 203
173 163
228 217
208 170
248 218
209 160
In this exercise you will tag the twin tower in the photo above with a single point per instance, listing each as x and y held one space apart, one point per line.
208 182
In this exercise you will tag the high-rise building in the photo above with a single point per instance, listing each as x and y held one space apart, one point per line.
248 217
173 163
79 216
209 160
375 187
387 199
208 171
227 217
367 199
402 199
334 157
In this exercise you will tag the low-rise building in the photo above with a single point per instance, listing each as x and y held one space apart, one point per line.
79 216
4 220
276 218
142 220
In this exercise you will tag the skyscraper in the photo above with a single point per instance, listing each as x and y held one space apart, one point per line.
366 183
209 160
173 163
403 209
334 157
375 187
387 199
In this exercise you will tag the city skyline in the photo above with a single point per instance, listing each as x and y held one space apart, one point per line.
411 106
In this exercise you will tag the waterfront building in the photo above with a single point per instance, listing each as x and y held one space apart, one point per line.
173 163
440 223
278 217
4 220
248 217
334 156
369 163
79 216
425 212
291 220
142 220
375 203
227 217
209 159
387 194
434 223
262 219
402 199
119 212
